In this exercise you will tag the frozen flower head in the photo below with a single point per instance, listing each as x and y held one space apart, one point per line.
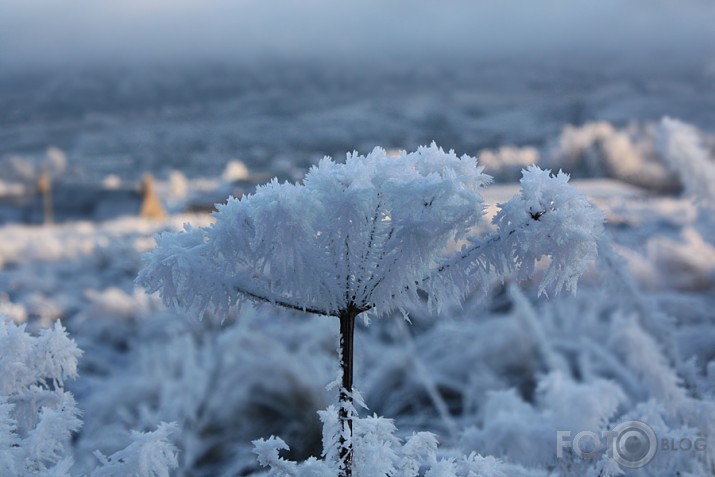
368 234
357 233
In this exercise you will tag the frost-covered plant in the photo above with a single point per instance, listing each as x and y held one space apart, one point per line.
682 147
598 149
149 454
371 235
377 452
593 373
190 378
38 416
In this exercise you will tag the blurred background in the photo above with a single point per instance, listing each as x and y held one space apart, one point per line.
125 88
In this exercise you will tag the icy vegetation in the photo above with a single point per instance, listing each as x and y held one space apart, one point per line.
477 389
370 235
38 416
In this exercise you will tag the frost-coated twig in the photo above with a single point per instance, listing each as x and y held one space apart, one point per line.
280 301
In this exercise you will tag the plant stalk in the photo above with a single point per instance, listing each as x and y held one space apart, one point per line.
347 332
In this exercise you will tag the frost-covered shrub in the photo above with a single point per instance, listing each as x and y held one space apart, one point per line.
524 432
682 146
222 386
594 372
150 454
598 149
371 235
38 416
663 156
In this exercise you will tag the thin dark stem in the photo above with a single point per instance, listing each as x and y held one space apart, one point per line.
347 332
284 303
469 253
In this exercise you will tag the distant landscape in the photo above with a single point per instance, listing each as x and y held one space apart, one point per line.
195 118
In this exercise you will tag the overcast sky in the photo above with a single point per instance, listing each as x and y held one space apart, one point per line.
77 31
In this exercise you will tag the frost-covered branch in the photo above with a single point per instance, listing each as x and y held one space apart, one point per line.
547 218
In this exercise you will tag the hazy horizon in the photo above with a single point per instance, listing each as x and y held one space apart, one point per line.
47 33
